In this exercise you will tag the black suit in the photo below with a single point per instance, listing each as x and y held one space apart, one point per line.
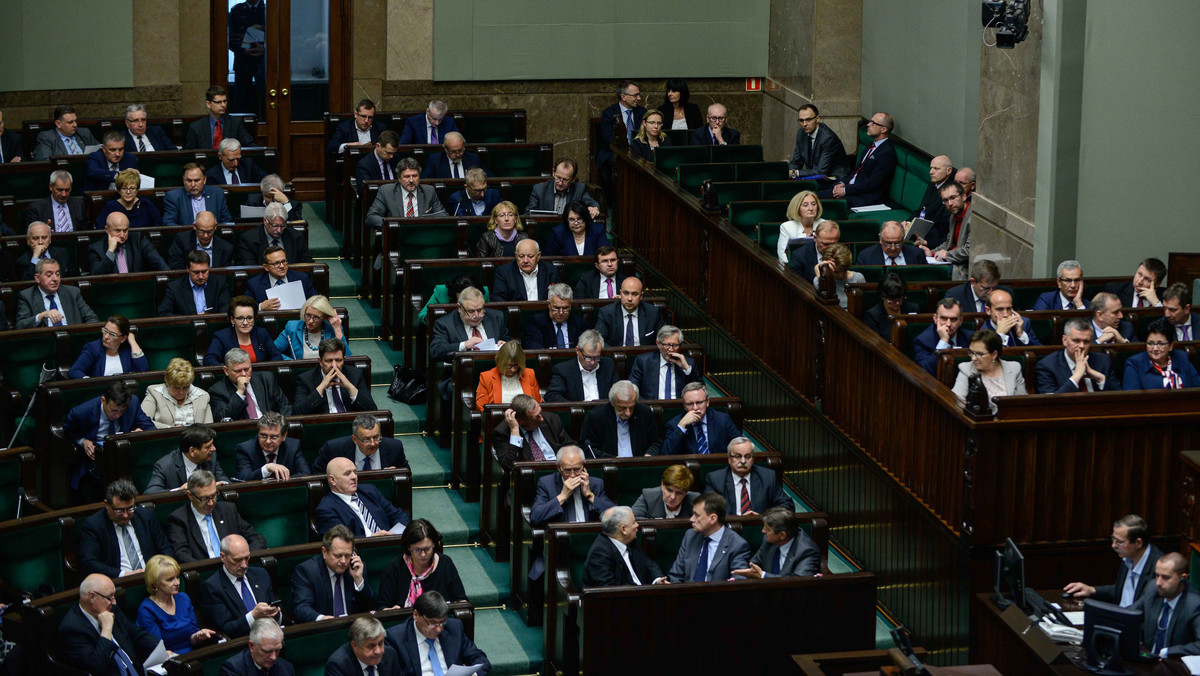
178 298
227 404
367 169
600 431
243 664
188 542
876 318
43 210
588 285
170 472
610 322
650 505
935 212
155 135
312 593
551 429
803 260
80 644
541 332
347 132
873 179
827 156
11 145
1124 291
222 602
438 165
608 124
566 381
765 489
248 173
390 453
803 558
185 242
308 400
99 550
604 566
140 256
873 255
25 267
250 459
457 649
199 133
343 663
1054 374
449 331
1111 593
252 244
703 137
541 197
509 283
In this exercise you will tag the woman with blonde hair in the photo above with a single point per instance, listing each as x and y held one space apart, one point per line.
508 379
836 259
176 402
318 320
649 136
167 613
503 233
804 215
141 213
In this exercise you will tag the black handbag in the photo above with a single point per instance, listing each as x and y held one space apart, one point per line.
408 386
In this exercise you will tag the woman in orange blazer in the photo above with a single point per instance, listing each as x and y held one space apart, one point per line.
508 379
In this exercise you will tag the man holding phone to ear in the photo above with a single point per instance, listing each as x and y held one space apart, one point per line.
332 583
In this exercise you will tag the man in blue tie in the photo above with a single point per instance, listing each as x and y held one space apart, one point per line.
786 549
332 583
100 641
709 551
431 641
570 496
629 110
1171 618
698 430
236 596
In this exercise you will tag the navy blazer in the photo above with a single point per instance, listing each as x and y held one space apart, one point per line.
546 508
226 339
873 255
83 421
11 145
541 334
188 542
721 431
367 169
1183 625
803 260
227 404
391 453
438 165
99 176
1124 329
509 284
1194 323
346 132
1140 373
243 664
829 156
701 136
90 363
80 644
1111 593
459 204
177 206
876 317
1054 375
199 133
936 213
924 346
449 331
248 173
645 372
313 596
965 296
250 459
600 431
874 178
222 603
588 285
562 243
803 557
765 489
256 286
157 137
99 551
140 255
610 322
307 400
178 298
416 131
1026 326
43 210
456 647
566 382
608 125
343 662
185 243
252 244
1124 291
1051 301
333 511
733 553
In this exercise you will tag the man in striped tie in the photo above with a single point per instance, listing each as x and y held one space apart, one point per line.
99 640
362 509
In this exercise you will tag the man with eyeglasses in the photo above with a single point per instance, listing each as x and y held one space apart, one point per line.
140 137
237 595
871 179
526 434
432 637
629 110
715 133
1135 575
197 450
1076 368
468 327
119 538
275 232
891 249
946 333
621 428
331 387
454 160
663 374
276 273
95 635
818 150
699 429
1070 294
429 127
476 198
122 251
892 303
558 328
366 447
202 237
569 495
270 454
359 507
196 529
747 489
975 293
182 206
1004 319
562 189
956 250
360 131
588 377
104 164
210 130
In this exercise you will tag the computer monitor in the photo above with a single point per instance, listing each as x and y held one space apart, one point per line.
1010 577
1111 636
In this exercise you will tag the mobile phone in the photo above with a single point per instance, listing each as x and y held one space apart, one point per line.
276 603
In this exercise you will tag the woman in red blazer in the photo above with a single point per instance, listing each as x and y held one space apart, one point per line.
508 379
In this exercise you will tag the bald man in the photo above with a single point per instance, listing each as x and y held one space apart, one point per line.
891 249
524 278
100 641
122 251
941 172
629 322
362 509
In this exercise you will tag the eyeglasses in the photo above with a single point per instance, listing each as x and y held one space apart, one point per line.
869 122
717 117
589 359
122 510
472 313
370 440
977 355
270 437
673 346
420 550
278 264
314 318
111 598
110 334
434 624
1156 343
206 499
1070 281
244 320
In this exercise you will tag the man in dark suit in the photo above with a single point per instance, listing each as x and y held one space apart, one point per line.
511 280
103 164
588 377
524 428
670 499
818 150
1144 290
786 549
562 189
715 133
629 111
275 232
331 387
182 206
271 191
59 210
119 539
476 198
630 322
361 130
197 293
804 258
615 559
869 182
360 508
367 646
243 394
1070 294
622 428
233 169
1004 319
365 447
945 333
380 163
121 251
747 489
569 495
66 138
558 327
604 280
466 329
12 146
95 638
974 294
709 551
37 239
197 450
1171 616
201 238
892 289
1075 369
197 529
891 249
663 374
454 160
432 622
1177 308
208 131
1108 321
270 454
236 596
406 198
698 430
261 656
117 411
941 172
1135 576
49 303
275 273
430 127
140 137
313 594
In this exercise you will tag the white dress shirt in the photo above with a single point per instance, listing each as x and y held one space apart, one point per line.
531 285
591 390
623 550
423 651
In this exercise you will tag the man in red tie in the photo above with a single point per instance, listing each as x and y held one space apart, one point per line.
746 488
210 130
870 180
957 247
406 198
525 434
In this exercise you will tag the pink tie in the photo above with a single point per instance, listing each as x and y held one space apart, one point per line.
251 409
610 287
122 263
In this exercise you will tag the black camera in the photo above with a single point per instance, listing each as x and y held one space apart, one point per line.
1010 18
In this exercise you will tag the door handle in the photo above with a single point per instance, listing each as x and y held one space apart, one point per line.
272 92
284 92
273 105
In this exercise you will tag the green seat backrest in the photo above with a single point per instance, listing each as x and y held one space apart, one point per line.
432 276
279 514
666 546
500 128
762 171
143 453
31 558
10 480
737 154
570 273
132 298
900 175
308 655
912 330
376 559
835 210
167 171
284 567
633 480
910 273
753 536
580 545
690 176
1043 329
514 161
27 185
917 181
858 231
427 241
768 236
744 215
666 159
77 165
785 190
23 359
518 194
737 191
679 137
163 343
315 434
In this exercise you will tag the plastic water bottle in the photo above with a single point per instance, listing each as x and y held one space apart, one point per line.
922 213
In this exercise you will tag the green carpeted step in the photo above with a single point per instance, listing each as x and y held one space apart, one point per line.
458 521
511 647
364 319
430 464
341 283
487 582
323 242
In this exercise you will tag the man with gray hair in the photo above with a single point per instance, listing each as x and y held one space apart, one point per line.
524 279
621 428
586 378
197 530
569 495
1108 321
429 127
275 232
366 653
1070 294
747 489
261 656
38 238
49 302
243 394
366 446
1076 369
271 186
270 454
406 198
431 640
233 169
59 210
615 559
525 434
559 328
236 596
141 137
663 374
453 161
94 637
466 328
1135 577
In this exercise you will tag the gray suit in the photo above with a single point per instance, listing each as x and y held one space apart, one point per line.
542 196
803 558
733 553
449 331
390 203
959 252
827 156
650 504
50 145
68 298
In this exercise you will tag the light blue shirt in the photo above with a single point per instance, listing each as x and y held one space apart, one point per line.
783 553
58 302
624 444
197 207
1129 591
68 140
198 298
714 542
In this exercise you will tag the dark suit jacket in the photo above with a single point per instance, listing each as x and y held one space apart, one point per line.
649 504
1124 291
765 490
541 198
449 331
227 404
199 133
966 296
438 165
178 299
562 243
600 431
251 245
803 260
551 429
874 178
546 508
80 644
691 113
1054 375
1111 593
702 136
250 459
566 383
733 553
177 206
509 285
935 212
248 173
416 130
11 145
829 157
332 511
1051 300
43 210
644 375
157 137
308 400
312 595
1140 374
456 647
256 286
1124 329
343 663
170 472
873 255
185 243
346 132
608 124
92 358
1026 326
459 204
390 453
588 285
49 144
876 317
99 176
803 557
604 566
226 339
25 267
188 542
541 334
140 255
1183 626
70 302
367 169
243 664
925 346
83 421
610 322
721 431
99 551
223 605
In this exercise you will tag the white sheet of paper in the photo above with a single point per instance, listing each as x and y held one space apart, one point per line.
252 212
459 670
88 150
1192 662
157 657
1075 618
253 34
487 345
147 182
870 207
290 295
933 261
